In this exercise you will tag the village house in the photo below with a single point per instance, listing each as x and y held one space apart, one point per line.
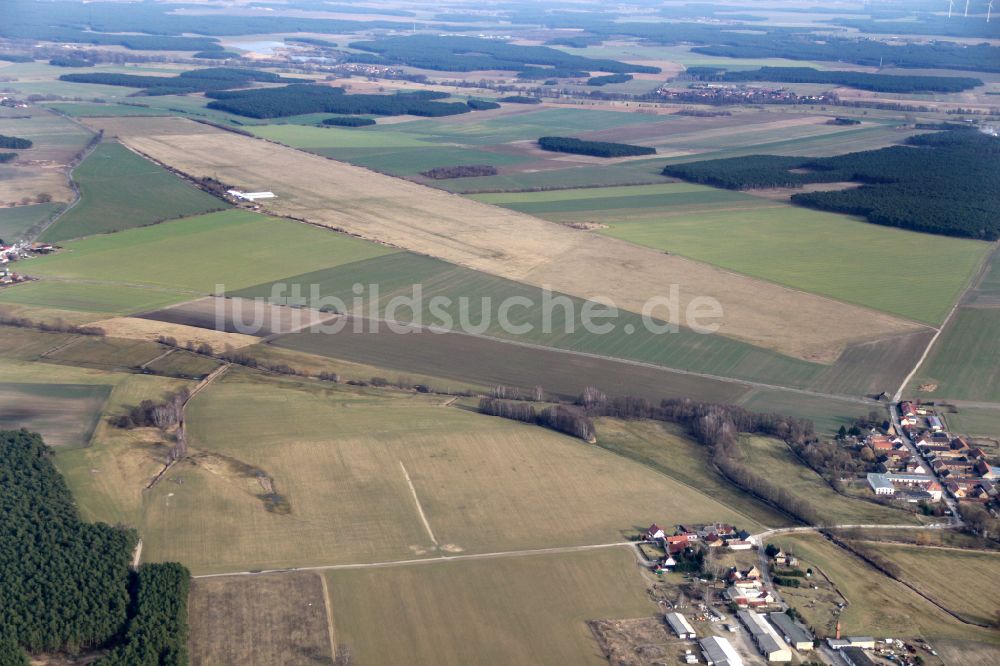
654 533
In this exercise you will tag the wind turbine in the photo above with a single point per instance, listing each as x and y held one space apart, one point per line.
951 3
966 7
989 10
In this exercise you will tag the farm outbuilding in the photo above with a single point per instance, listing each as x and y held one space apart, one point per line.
794 633
767 640
680 625
719 652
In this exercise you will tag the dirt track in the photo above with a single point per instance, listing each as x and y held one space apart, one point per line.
499 241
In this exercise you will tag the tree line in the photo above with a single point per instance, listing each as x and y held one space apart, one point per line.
948 185
460 171
561 418
299 99
565 144
909 83
608 78
348 121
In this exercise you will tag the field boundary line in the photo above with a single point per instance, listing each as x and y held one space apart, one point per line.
330 631
556 550
643 364
973 284
161 356
420 509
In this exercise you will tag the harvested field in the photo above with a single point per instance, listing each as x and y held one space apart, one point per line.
65 414
258 621
520 610
501 242
483 361
868 368
143 328
964 582
43 167
876 604
333 455
120 190
665 448
227 318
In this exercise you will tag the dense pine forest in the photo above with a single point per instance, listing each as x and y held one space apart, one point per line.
298 99
197 80
464 54
944 183
348 121
565 144
64 583
860 80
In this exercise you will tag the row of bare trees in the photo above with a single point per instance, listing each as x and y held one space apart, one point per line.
561 418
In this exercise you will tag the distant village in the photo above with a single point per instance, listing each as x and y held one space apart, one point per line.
12 253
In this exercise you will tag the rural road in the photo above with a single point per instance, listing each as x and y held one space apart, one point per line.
756 538
429 560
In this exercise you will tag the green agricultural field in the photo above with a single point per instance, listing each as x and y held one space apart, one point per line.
65 414
499 611
623 202
824 253
982 422
89 351
827 414
96 110
773 459
962 581
471 129
965 360
876 604
14 222
665 448
120 190
233 248
94 297
397 274
338 458
638 172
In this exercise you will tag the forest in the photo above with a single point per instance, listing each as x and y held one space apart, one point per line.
860 80
545 73
7 157
297 99
65 584
196 80
943 183
14 142
463 54
608 78
565 144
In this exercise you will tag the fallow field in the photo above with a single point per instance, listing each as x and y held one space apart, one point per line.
279 619
338 464
962 581
521 610
876 604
